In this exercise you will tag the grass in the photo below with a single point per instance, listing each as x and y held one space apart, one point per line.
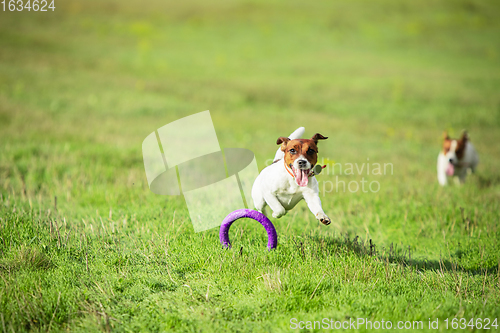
81 87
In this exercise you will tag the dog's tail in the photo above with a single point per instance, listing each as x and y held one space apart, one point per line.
299 132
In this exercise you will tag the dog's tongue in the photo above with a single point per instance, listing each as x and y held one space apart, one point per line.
450 169
301 177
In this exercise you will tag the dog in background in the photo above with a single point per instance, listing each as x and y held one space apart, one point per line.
456 158
291 177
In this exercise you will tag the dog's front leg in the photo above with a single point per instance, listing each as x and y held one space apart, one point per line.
314 203
275 205
441 170
462 174
442 179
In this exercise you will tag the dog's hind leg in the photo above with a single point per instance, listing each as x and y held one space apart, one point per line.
275 205
462 174
259 202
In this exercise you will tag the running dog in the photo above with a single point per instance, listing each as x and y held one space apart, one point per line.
456 158
290 178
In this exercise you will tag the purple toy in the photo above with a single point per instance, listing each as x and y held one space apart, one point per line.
252 214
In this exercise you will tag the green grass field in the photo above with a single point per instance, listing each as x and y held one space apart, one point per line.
81 87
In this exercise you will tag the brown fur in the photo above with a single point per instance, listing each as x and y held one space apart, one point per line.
461 146
446 145
293 149
459 151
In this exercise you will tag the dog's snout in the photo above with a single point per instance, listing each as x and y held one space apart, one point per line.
302 163
451 160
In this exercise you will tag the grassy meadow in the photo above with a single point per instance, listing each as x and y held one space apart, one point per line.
85 246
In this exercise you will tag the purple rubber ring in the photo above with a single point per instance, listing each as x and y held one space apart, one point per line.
252 214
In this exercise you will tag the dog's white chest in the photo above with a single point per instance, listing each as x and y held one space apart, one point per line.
289 198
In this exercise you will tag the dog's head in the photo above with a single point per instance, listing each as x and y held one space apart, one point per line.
300 156
454 150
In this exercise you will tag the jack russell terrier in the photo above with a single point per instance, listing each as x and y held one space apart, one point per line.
456 158
291 177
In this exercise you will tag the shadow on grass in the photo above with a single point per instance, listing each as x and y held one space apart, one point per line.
395 255
487 181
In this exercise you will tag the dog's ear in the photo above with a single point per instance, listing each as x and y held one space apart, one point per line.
465 136
317 137
283 142
446 136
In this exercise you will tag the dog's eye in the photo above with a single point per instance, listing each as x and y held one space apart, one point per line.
292 151
310 151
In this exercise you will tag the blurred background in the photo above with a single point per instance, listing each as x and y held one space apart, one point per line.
82 86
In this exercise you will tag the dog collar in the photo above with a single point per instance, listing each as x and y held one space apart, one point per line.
288 169
311 173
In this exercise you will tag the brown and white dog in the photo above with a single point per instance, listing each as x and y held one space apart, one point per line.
456 158
290 178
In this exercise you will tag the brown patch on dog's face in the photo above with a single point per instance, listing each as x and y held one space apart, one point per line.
294 149
460 146
300 156
446 145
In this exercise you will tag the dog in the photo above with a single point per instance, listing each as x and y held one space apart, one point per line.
290 178
456 158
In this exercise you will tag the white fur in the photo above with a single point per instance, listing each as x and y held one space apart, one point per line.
461 167
276 188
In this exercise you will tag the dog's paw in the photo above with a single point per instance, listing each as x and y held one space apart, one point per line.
279 214
323 218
